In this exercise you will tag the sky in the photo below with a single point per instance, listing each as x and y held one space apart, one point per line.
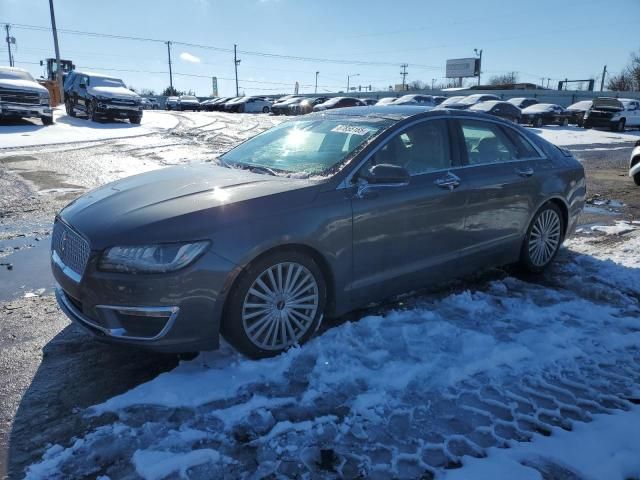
366 39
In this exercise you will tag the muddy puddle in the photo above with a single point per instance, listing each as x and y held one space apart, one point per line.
24 267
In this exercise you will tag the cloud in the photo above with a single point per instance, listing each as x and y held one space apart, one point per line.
187 57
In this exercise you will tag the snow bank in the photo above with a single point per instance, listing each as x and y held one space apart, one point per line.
67 129
414 390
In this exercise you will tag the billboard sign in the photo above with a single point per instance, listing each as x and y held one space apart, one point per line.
462 67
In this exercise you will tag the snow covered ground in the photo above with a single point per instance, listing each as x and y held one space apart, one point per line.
67 129
438 384
494 381
563 136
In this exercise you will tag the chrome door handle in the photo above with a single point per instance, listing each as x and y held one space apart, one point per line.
449 181
524 172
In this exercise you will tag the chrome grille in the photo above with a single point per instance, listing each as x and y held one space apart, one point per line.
123 102
15 96
71 248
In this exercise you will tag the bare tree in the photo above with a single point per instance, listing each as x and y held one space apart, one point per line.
629 78
505 79
417 85
147 92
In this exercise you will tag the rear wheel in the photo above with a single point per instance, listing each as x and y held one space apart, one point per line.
537 122
265 109
636 179
565 122
543 239
277 303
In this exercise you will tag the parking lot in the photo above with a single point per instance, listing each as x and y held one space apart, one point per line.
480 363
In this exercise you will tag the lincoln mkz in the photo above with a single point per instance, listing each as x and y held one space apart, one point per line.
313 218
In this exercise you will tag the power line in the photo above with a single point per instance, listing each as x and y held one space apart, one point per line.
222 49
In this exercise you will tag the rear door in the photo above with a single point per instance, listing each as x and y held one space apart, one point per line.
503 177
633 114
407 236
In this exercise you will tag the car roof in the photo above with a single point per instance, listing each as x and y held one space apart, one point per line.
399 112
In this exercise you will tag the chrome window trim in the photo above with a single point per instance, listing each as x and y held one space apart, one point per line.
347 182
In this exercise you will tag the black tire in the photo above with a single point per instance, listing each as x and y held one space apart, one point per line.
232 327
565 122
537 122
636 179
136 119
526 261
91 111
619 126
68 106
265 109
47 120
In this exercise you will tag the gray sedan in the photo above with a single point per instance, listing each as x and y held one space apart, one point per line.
312 218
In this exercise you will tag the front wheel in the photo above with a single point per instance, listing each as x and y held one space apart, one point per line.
136 119
636 179
47 120
91 111
68 106
619 126
277 303
265 109
543 239
537 122
565 122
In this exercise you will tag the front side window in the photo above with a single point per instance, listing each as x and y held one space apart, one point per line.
420 149
487 143
104 82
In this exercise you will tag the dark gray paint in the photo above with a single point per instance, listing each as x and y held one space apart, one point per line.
387 241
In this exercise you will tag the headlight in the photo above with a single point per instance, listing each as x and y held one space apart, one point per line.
160 258
44 96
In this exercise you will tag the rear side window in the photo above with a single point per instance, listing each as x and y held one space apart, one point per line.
524 148
487 143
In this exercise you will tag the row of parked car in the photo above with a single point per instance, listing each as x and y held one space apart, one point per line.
613 113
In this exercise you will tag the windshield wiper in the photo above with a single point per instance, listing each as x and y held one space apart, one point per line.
252 168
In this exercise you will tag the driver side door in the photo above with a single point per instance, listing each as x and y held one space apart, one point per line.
405 237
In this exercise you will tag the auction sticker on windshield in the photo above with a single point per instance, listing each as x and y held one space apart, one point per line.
351 129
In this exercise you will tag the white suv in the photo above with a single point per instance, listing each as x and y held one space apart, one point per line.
614 113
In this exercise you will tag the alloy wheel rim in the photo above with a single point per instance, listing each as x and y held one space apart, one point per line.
280 306
544 238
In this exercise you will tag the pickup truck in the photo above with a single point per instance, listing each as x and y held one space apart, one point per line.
22 97
613 113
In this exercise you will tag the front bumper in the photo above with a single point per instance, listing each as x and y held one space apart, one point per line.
122 111
599 121
174 312
25 110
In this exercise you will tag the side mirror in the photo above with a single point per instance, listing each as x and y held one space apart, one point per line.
386 174
83 86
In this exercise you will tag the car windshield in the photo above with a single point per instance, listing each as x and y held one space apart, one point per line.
539 107
305 147
584 104
105 82
451 100
470 100
483 106
384 101
516 101
188 97
15 75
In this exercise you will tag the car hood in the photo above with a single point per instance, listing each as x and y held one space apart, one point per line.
23 85
113 92
607 104
178 202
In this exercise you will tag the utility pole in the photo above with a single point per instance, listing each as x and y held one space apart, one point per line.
433 81
404 75
604 73
316 90
349 78
10 40
548 80
479 54
236 62
57 49
170 72
542 82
